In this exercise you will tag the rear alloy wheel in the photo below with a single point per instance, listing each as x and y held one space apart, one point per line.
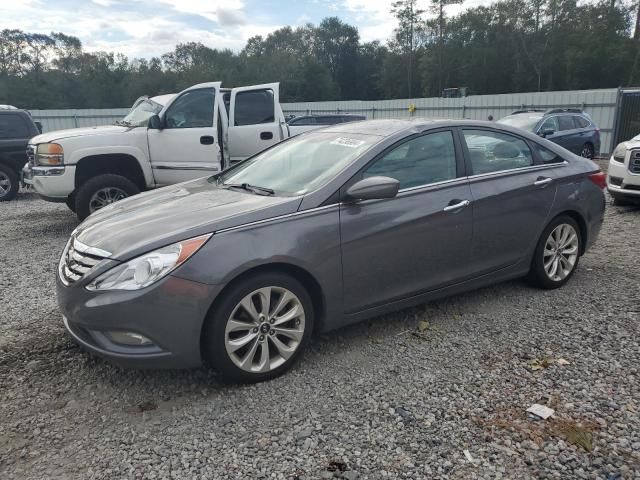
258 331
587 151
557 253
8 183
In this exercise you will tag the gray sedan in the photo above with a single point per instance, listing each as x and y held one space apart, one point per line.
321 231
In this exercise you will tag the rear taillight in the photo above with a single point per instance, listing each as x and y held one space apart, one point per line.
599 179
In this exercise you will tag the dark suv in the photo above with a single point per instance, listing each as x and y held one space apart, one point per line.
569 127
16 128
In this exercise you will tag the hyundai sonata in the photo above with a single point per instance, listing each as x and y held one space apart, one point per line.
319 231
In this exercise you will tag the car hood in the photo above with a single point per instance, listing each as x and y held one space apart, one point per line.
77 132
154 219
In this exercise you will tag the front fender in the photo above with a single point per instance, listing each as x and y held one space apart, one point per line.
139 155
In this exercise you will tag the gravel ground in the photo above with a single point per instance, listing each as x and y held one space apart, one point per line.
394 397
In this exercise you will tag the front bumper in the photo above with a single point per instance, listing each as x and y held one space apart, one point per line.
621 181
53 184
170 313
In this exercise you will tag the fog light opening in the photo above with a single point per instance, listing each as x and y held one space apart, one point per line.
128 338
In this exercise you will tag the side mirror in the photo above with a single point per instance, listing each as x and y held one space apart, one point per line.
155 123
374 188
38 126
546 132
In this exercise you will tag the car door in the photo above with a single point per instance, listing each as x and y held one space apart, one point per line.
512 196
185 147
256 120
568 134
418 241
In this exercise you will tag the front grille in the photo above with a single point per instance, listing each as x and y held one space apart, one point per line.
634 162
77 260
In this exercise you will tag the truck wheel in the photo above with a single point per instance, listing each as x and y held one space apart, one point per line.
71 202
102 190
9 183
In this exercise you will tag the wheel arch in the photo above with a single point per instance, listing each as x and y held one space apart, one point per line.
300 274
582 225
110 163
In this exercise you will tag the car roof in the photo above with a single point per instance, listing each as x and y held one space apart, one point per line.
387 128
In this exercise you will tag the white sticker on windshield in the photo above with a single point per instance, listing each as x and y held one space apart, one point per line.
348 142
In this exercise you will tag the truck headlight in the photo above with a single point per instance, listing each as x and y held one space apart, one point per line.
148 268
620 152
49 155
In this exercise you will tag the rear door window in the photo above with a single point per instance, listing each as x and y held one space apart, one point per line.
494 152
547 156
565 122
12 125
254 107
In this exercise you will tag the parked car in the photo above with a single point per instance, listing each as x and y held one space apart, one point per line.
319 231
569 127
623 174
16 128
306 123
162 141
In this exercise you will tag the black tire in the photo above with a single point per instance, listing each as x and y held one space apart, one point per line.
101 182
71 202
214 335
537 274
587 151
10 183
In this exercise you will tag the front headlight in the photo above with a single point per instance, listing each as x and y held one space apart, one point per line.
620 152
148 268
49 155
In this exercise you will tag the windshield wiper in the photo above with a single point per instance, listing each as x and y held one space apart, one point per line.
250 188
123 123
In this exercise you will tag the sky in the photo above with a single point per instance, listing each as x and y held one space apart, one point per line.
147 28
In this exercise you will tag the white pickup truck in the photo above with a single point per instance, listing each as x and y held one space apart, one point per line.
163 140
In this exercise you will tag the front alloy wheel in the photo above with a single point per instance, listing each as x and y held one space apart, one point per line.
258 327
265 329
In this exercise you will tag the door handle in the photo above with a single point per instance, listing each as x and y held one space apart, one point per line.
543 181
266 135
457 206
206 140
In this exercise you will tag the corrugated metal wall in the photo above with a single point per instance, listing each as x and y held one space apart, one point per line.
600 104
62 119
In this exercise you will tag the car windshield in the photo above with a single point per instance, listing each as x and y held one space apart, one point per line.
525 122
301 164
140 113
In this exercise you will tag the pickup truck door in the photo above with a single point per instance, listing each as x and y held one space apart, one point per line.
256 120
186 147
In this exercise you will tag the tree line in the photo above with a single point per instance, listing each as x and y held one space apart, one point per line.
509 46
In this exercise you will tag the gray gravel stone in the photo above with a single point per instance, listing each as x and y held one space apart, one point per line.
367 402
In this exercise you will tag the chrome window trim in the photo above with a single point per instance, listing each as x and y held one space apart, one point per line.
530 168
434 184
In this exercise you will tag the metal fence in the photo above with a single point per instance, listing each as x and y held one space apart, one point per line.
600 104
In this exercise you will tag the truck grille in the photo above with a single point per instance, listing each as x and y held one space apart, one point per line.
77 260
634 162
